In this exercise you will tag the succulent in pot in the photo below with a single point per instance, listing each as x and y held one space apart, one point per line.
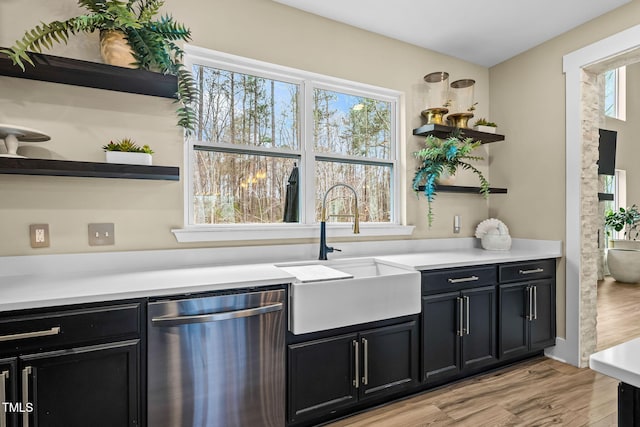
126 151
152 41
484 125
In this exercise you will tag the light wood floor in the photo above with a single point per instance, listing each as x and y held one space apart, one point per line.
539 392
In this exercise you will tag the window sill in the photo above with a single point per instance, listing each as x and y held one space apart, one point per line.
231 232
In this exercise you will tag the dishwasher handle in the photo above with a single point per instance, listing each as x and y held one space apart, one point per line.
214 317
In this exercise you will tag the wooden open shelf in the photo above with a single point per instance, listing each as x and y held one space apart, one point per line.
22 166
442 131
69 71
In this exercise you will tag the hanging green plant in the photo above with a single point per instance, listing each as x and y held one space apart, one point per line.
445 156
152 40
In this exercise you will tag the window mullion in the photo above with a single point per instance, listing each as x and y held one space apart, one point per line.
309 165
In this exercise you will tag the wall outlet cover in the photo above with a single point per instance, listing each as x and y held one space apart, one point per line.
102 234
39 235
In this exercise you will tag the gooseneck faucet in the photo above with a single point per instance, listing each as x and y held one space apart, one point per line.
324 249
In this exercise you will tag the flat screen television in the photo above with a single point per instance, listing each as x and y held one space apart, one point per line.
607 149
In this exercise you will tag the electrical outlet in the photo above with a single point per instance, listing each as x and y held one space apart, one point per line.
39 235
456 224
102 234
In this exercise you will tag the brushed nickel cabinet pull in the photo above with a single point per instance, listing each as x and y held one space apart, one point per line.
530 307
365 377
25 395
464 279
356 378
460 317
466 299
47 332
4 376
535 303
535 270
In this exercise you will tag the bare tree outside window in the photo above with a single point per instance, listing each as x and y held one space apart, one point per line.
250 138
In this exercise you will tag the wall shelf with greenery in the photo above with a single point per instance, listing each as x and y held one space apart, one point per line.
23 166
442 131
464 189
75 72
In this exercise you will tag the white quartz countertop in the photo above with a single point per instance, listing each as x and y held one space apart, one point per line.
621 362
31 291
465 257
55 280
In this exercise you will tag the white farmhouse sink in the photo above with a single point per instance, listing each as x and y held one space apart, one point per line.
375 291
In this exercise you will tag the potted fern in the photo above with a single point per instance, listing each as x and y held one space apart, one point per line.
441 157
126 151
150 41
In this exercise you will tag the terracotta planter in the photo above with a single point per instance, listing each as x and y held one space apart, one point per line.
115 49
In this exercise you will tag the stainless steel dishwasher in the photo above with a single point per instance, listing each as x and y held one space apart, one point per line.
217 361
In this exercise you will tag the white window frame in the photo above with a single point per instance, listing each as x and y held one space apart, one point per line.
307 227
620 94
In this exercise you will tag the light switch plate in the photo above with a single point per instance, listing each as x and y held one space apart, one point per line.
39 235
102 234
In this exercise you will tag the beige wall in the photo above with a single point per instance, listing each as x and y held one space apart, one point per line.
527 101
81 120
628 148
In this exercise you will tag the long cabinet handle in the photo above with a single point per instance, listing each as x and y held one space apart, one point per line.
4 376
460 331
214 317
47 332
356 379
530 306
466 300
535 302
535 270
365 356
464 279
26 372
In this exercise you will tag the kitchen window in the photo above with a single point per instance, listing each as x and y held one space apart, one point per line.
271 140
615 93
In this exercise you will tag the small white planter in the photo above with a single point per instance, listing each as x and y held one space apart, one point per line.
486 129
128 158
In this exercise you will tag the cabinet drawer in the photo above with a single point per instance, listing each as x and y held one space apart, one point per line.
530 270
69 327
458 278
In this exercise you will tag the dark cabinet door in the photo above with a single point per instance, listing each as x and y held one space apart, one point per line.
94 386
542 326
441 323
479 328
322 376
389 359
513 336
10 404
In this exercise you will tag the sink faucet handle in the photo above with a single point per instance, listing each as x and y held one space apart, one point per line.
336 249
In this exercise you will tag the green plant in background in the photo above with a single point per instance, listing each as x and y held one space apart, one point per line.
624 219
484 122
445 156
152 40
127 144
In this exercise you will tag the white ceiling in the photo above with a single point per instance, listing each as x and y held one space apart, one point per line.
485 32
